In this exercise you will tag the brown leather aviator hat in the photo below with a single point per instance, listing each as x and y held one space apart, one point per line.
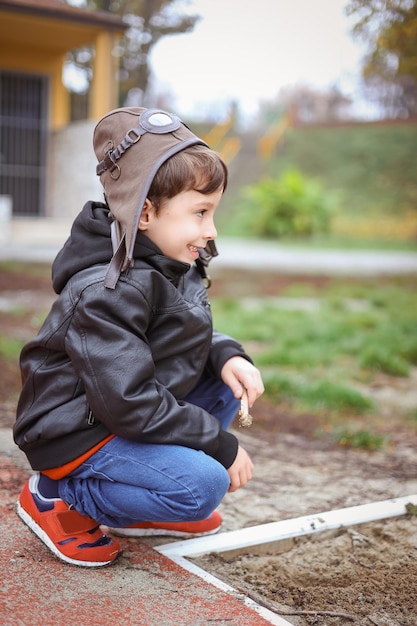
131 144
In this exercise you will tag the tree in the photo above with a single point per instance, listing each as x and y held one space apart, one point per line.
149 21
390 68
310 105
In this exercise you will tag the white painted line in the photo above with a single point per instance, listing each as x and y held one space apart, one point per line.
268 615
275 531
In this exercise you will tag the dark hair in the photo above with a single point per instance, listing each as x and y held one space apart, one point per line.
197 167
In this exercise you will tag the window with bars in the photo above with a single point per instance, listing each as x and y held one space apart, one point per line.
23 136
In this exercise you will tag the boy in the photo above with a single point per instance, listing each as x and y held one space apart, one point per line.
127 391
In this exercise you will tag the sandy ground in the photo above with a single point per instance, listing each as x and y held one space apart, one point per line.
367 573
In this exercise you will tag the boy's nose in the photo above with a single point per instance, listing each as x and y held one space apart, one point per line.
211 231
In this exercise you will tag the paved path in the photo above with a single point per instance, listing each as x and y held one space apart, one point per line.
256 254
39 241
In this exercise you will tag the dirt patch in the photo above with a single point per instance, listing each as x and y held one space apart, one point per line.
355 575
365 575
360 574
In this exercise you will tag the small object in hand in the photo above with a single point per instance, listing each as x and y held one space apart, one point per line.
245 419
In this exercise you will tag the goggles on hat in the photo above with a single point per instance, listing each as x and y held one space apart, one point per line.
151 121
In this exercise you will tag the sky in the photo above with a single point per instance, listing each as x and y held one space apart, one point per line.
248 51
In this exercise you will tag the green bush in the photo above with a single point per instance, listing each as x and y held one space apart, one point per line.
291 205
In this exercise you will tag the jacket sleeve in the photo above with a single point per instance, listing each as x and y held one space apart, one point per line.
108 348
222 349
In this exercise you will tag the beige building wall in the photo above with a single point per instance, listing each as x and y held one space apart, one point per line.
72 181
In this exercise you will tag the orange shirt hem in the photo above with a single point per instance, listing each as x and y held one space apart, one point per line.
63 470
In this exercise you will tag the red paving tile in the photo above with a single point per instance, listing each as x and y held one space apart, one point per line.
143 588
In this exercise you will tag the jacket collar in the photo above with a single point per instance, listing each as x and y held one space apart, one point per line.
146 250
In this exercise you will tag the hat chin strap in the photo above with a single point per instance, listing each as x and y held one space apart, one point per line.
115 233
117 262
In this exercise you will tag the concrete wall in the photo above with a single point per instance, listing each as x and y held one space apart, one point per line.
71 176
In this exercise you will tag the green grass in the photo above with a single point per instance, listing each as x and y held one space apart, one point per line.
29 269
373 166
316 396
358 438
10 348
317 358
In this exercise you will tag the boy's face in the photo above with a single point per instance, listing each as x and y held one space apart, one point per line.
183 224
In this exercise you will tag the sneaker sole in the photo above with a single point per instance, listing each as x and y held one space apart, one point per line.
155 532
37 530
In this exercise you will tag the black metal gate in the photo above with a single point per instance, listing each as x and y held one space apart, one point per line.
23 136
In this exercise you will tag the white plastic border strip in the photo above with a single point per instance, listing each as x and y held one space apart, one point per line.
276 531
285 529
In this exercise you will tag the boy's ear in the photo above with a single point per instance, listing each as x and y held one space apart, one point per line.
146 215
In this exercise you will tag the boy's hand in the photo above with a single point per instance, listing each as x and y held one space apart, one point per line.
240 471
238 373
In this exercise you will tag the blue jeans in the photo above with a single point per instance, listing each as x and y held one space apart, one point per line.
126 482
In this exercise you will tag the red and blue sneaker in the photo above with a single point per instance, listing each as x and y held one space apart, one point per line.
72 537
207 526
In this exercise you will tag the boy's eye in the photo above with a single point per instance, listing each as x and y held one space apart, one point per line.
201 213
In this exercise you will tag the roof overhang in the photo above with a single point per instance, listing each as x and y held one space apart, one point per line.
53 26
